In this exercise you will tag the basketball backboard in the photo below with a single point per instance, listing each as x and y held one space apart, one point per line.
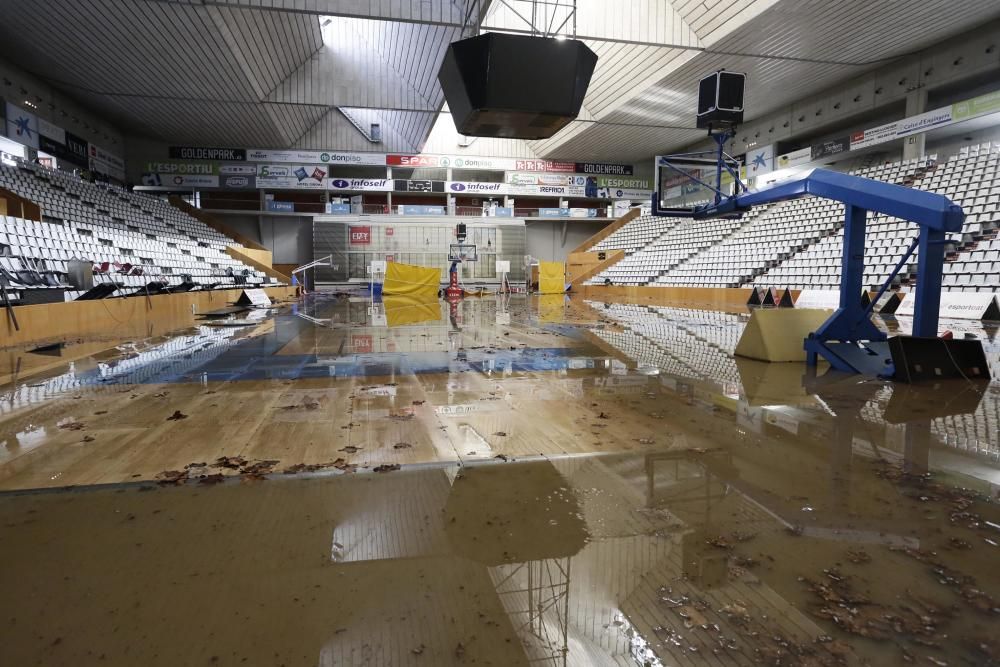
462 252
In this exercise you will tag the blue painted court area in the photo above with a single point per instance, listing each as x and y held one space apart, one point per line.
221 354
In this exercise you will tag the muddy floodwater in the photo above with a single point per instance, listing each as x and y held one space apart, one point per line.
522 481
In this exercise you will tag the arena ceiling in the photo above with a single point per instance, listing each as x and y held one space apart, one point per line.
316 73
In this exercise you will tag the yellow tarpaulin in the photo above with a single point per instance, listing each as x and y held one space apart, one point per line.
411 280
551 277
403 310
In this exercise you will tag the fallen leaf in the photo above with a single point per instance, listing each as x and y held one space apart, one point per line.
402 445
350 449
178 415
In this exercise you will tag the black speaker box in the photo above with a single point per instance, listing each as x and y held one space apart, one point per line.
514 86
720 99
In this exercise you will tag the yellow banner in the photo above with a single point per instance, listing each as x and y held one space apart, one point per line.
551 277
411 280
403 310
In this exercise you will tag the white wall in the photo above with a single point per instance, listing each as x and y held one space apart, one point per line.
289 238
545 238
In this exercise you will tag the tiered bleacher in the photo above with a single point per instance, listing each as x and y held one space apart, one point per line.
683 238
799 244
631 237
132 239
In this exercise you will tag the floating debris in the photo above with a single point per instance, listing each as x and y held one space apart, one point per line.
177 416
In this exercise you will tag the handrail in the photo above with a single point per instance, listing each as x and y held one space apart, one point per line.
324 261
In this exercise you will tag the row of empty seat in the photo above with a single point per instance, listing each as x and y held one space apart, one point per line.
799 243
131 238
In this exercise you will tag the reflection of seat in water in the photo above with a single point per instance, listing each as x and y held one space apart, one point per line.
403 310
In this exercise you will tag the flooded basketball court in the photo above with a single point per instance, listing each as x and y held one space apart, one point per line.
522 481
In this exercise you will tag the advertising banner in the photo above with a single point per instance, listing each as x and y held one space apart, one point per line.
22 126
549 190
338 209
361 184
528 178
623 193
553 213
924 122
977 106
180 180
546 165
106 163
760 161
628 183
280 206
416 209
418 186
294 176
830 148
902 128
172 167
508 164
315 157
360 235
198 153
241 169
472 188
71 149
78 148
238 181
454 161
795 158
603 169
52 131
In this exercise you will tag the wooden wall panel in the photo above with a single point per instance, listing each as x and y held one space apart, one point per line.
108 319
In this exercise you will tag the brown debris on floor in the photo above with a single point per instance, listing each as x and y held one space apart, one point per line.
917 625
402 445
386 467
735 630
230 462
963 585
858 556
73 426
172 477
178 415
350 449
339 464
212 479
